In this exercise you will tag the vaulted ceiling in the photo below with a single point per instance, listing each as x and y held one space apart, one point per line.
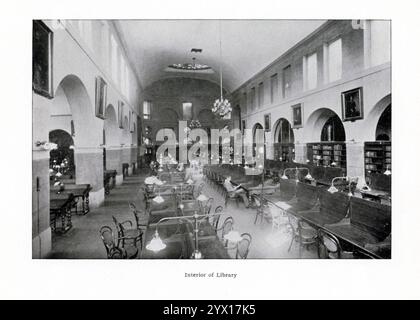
247 45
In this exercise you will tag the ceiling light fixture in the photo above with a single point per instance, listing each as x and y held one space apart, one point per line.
221 107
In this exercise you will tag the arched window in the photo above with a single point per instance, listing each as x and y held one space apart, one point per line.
383 128
333 130
284 146
62 158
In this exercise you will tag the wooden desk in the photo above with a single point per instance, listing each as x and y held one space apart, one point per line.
60 207
78 191
351 232
179 240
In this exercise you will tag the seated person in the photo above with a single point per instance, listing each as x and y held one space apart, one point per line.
236 190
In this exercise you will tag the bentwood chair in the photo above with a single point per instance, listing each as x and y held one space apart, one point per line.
225 229
329 247
113 251
302 233
139 217
216 219
242 248
128 236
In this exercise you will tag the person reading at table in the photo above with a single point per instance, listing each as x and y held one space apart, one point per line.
236 190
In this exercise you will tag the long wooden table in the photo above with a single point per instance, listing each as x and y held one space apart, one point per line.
80 191
179 238
342 229
60 208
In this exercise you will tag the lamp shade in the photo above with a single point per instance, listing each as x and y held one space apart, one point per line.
158 199
332 189
156 244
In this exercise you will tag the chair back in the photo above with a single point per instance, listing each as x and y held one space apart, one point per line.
216 219
136 214
112 251
330 243
227 226
242 248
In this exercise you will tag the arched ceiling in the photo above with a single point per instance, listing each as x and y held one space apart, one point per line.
247 45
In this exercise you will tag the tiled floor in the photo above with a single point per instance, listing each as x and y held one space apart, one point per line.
83 240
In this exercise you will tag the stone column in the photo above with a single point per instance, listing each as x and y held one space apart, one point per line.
300 152
41 231
89 169
355 159
113 162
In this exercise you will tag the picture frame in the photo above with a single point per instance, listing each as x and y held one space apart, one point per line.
297 116
120 114
267 122
100 97
352 104
42 59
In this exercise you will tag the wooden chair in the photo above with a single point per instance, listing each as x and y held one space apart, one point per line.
216 219
127 236
226 228
242 247
112 250
139 217
329 243
302 233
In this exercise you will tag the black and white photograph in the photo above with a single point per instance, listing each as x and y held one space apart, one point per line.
168 205
214 150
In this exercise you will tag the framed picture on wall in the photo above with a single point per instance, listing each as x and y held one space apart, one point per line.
120 114
297 115
42 53
100 97
352 104
267 122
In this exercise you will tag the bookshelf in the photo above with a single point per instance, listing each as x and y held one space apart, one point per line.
285 151
377 156
327 154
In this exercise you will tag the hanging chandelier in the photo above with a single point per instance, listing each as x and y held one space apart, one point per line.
221 107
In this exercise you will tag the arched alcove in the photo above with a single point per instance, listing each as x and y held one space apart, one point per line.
112 132
283 140
317 124
333 130
80 106
383 128
368 131
62 158
327 136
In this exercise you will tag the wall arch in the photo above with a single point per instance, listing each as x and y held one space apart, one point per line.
81 108
315 123
112 134
371 121
283 128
